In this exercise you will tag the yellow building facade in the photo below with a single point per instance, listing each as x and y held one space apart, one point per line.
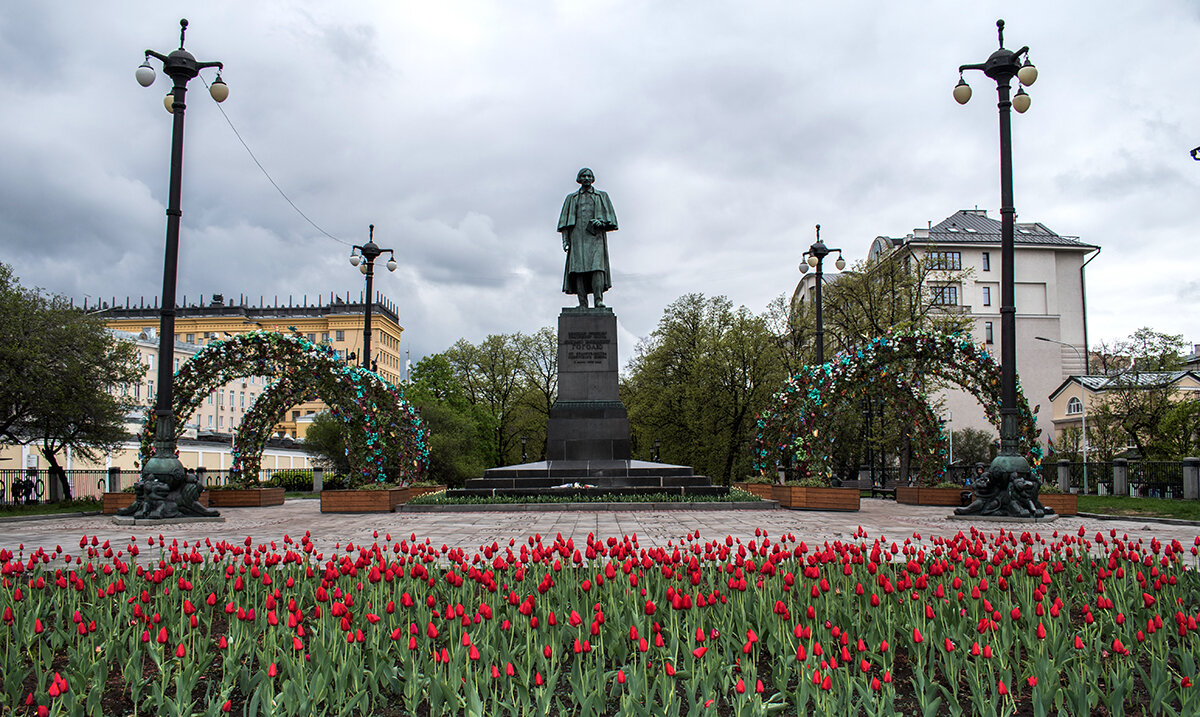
333 320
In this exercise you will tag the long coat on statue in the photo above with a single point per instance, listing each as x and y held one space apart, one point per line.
588 246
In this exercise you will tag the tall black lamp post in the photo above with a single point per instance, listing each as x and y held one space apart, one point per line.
364 258
163 474
815 257
1002 66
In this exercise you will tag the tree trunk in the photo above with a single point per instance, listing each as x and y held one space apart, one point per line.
905 459
56 471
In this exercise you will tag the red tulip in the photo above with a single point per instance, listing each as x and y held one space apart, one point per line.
1003 688
699 652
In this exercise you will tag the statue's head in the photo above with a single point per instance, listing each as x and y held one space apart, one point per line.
585 176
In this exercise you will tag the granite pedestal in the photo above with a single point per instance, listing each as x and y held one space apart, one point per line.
587 437
588 421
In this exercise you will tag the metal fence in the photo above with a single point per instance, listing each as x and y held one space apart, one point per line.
1099 477
29 485
20 486
1156 479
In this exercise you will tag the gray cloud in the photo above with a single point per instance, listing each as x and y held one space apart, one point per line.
722 133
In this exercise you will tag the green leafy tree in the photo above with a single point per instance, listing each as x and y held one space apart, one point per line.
325 440
1141 395
973 445
59 374
1179 430
697 383
458 431
490 375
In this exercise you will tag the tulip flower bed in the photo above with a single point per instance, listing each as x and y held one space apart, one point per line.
974 624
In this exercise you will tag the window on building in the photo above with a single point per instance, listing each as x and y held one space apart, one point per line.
340 335
191 338
210 422
987 332
149 390
324 337
221 399
220 421
312 337
177 364
210 399
242 400
987 261
946 260
945 295
150 361
295 415
987 296
1074 406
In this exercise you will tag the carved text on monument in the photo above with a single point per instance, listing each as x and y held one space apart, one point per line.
587 347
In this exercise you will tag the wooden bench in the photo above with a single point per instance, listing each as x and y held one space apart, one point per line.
887 490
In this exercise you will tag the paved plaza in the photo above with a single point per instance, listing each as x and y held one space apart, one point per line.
471 530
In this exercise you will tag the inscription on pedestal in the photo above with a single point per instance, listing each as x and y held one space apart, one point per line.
587 348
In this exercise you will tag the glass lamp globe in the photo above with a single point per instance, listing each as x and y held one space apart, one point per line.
1028 74
218 89
962 92
145 74
1021 101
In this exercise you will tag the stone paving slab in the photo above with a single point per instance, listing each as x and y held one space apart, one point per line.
469 530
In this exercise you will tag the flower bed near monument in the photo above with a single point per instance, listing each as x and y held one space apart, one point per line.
762 490
995 623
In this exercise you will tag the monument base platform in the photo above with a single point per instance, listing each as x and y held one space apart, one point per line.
589 478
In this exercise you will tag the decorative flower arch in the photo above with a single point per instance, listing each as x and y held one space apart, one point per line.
404 439
807 435
356 396
798 415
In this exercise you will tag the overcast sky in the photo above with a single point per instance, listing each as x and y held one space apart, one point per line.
722 132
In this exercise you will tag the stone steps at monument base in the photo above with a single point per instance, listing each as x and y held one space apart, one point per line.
595 468
695 490
600 481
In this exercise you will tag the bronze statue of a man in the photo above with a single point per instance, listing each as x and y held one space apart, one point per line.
586 217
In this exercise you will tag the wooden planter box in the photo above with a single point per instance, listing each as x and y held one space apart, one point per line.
110 503
913 495
816 498
245 497
1061 503
762 490
362 501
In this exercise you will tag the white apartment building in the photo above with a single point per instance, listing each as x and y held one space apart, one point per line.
1049 292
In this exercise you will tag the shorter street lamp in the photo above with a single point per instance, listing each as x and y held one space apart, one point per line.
524 454
815 257
1082 405
369 251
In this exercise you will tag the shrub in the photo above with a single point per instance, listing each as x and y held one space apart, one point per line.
296 481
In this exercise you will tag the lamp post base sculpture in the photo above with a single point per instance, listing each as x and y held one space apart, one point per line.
1010 494
166 490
